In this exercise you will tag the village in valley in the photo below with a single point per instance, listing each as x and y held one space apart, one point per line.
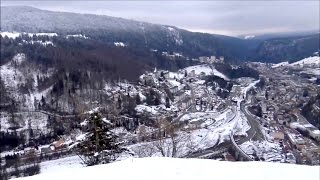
195 112
160 90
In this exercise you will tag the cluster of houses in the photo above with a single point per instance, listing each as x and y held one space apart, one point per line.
172 56
309 129
284 98
292 141
307 152
57 146
282 120
202 59
182 99
211 59
286 125
178 84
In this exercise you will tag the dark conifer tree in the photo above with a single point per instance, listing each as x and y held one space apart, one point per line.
167 102
157 101
138 99
119 102
100 145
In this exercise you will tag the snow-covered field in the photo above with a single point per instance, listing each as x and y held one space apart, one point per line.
61 165
308 60
198 116
198 69
14 75
38 121
174 168
312 60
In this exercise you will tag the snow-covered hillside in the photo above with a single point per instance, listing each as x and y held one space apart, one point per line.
307 61
312 60
171 168
14 35
175 35
14 75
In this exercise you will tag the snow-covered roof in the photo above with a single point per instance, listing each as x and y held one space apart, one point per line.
144 108
316 132
93 110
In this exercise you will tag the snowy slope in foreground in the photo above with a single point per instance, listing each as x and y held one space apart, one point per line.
170 168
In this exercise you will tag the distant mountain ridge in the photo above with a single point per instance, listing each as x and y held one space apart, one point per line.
288 49
106 29
267 36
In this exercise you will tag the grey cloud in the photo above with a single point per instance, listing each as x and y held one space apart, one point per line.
223 17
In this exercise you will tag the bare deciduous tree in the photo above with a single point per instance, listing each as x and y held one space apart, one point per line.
170 141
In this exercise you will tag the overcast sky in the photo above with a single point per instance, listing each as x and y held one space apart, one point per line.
220 17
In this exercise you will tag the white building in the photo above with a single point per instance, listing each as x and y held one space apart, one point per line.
180 96
166 75
192 73
221 59
203 59
186 103
174 89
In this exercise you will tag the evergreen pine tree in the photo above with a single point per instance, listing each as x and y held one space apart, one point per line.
138 100
167 102
157 101
100 145
119 102
149 99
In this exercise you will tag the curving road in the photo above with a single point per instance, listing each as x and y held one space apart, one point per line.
255 128
255 131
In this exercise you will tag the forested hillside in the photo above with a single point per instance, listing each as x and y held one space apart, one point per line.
163 38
